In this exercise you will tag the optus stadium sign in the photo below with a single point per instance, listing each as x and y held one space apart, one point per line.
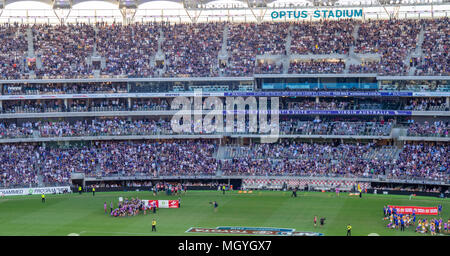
317 14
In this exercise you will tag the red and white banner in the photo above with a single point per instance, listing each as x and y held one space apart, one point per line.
174 204
419 210
162 203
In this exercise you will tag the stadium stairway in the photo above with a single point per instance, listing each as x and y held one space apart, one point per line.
31 53
352 58
355 32
30 43
221 153
223 53
160 56
418 52
286 61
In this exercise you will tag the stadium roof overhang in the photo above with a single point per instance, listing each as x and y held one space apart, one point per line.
255 3
204 10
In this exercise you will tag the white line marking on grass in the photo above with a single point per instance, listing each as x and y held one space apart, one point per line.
373 234
73 234
126 233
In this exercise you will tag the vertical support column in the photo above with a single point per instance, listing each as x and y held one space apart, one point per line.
66 105
129 103
1 105
317 99
447 102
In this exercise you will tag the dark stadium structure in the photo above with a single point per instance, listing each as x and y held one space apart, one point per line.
360 101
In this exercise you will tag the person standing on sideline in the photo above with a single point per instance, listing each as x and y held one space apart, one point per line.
153 225
315 221
111 207
215 206
402 224
79 189
105 207
349 230
93 191
322 221
43 197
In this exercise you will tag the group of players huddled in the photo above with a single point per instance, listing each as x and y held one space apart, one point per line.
135 206
131 207
401 221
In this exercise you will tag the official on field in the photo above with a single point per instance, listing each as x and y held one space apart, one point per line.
349 230
154 225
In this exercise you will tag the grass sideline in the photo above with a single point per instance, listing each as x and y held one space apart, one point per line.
83 215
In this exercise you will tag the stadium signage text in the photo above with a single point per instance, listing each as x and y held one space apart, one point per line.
162 203
317 14
228 94
417 209
34 191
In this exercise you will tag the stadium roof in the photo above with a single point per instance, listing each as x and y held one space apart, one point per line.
255 3
55 11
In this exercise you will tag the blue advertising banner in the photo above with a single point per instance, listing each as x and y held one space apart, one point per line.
323 112
318 93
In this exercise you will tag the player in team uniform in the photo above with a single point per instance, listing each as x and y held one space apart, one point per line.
315 221
402 224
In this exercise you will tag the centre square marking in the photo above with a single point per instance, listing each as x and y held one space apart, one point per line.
253 231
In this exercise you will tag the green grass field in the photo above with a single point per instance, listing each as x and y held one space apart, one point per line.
84 214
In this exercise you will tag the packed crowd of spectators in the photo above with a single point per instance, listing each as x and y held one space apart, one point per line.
435 48
26 164
246 40
13 48
427 104
422 160
365 67
437 128
326 37
128 50
269 68
63 50
392 40
312 104
66 88
336 128
192 49
122 127
22 164
32 106
300 159
18 165
316 67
